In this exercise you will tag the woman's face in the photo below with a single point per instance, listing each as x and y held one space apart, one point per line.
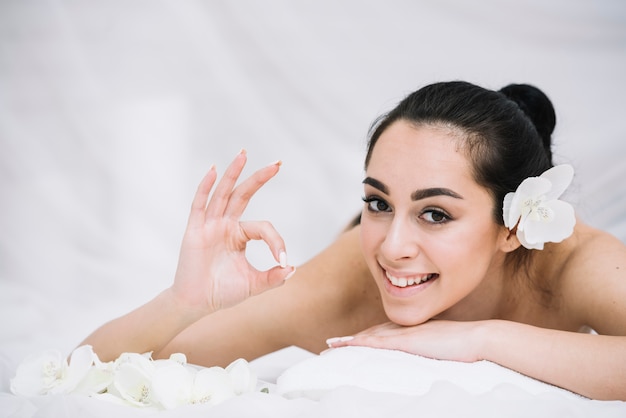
427 231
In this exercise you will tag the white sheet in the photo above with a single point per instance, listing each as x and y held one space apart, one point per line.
398 372
353 391
111 111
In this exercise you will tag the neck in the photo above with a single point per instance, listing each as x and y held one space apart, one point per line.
497 296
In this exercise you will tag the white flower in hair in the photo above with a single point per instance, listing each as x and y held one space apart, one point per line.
536 211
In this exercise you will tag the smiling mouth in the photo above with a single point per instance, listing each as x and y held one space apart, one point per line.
410 281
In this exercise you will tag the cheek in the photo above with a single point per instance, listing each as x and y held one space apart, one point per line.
467 247
473 248
372 234
482 237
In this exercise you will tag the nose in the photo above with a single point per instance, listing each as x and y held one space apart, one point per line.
401 241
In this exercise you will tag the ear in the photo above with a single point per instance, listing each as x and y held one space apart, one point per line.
508 240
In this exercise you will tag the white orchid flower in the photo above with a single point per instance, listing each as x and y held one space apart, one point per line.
536 211
132 379
173 384
180 358
242 376
212 386
50 372
98 379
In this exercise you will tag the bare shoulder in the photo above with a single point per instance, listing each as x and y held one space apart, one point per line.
593 280
332 294
335 294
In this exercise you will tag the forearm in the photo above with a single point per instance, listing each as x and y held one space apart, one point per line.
213 272
147 328
591 365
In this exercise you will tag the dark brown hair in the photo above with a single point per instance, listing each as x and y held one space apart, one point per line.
507 133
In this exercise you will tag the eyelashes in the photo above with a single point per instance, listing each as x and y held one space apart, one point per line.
375 204
430 215
435 216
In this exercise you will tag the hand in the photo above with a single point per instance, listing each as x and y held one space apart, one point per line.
438 339
213 271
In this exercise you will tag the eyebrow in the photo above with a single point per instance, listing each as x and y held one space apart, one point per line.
418 194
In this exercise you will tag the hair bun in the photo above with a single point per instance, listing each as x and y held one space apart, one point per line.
537 106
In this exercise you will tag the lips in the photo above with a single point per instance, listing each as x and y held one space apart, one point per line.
405 281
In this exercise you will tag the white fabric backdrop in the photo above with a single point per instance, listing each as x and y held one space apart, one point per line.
112 110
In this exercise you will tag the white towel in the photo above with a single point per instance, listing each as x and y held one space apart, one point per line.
398 372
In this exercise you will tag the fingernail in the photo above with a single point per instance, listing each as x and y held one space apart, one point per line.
277 162
243 151
334 340
290 275
282 258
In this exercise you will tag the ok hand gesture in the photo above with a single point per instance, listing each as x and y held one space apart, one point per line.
213 271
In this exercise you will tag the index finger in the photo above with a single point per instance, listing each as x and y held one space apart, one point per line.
242 194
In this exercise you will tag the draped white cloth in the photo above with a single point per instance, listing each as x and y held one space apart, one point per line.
112 110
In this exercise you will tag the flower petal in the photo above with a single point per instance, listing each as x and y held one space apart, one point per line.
141 361
36 374
560 177
81 360
96 381
172 385
242 376
521 236
212 386
530 189
561 226
179 358
510 213
99 378
133 384
533 187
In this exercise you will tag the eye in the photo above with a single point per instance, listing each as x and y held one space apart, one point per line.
435 216
376 204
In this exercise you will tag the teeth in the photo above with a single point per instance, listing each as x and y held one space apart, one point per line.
408 281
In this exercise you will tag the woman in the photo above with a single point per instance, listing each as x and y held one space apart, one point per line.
440 265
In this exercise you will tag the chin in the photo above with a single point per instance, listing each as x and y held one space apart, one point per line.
404 316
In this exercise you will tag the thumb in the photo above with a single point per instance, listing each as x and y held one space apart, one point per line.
272 278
